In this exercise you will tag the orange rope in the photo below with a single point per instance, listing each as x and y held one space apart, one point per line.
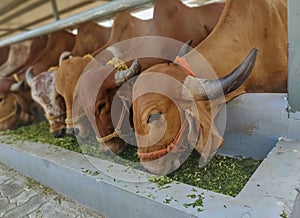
181 61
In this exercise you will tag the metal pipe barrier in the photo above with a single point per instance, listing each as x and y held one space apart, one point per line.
55 10
103 11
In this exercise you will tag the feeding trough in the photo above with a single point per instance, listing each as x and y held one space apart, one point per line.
98 184
260 126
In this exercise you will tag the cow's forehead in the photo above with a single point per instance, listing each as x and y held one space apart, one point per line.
159 81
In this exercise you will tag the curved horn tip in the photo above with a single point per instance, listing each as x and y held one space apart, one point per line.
64 56
204 89
136 65
29 75
16 87
185 48
239 75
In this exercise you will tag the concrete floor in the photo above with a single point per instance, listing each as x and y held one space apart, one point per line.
23 197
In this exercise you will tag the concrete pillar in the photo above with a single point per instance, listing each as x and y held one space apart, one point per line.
294 58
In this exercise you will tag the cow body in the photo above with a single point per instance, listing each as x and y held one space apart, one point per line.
158 118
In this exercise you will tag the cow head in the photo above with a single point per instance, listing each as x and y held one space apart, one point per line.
15 110
172 114
44 93
66 80
107 109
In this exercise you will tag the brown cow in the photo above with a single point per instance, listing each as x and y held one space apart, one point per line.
165 13
158 118
90 36
18 108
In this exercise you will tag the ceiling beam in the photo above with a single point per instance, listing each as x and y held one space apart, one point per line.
102 11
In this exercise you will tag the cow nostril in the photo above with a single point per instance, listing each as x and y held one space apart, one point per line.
76 131
70 131
59 133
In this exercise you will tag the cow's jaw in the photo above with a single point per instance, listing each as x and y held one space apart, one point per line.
163 165
113 146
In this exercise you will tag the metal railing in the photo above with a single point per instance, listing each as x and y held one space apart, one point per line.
102 11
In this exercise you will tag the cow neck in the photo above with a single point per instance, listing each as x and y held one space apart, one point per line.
170 148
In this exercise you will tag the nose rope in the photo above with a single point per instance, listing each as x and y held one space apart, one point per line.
54 117
16 77
159 153
70 122
119 65
10 115
117 129
52 69
89 56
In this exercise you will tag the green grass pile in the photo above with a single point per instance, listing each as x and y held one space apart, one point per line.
222 174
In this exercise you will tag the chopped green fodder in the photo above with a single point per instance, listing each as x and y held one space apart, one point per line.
222 174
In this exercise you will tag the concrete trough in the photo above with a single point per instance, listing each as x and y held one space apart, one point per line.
118 191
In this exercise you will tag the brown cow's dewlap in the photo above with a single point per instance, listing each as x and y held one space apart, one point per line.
222 174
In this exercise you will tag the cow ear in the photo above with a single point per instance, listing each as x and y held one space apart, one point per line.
29 76
16 87
185 48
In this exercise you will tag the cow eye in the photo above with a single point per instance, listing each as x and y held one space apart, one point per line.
1 100
101 106
154 117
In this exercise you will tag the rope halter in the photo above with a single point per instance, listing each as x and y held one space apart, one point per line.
70 122
119 65
170 147
10 115
117 130
54 117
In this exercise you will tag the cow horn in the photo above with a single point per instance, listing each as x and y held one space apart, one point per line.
29 76
16 87
123 75
185 48
204 89
64 56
